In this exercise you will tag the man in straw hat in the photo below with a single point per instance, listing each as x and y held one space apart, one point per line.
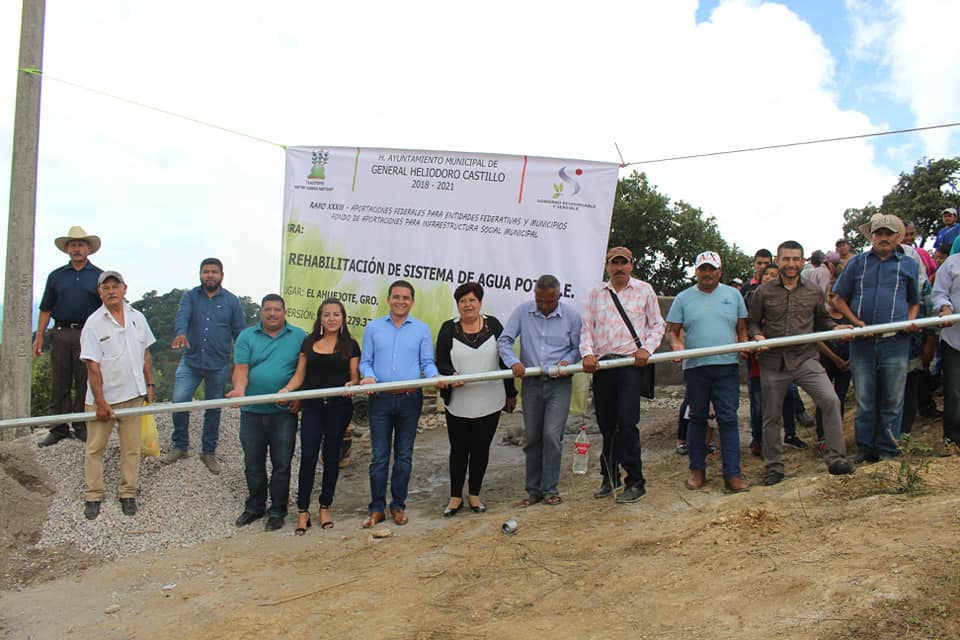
876 287
70 296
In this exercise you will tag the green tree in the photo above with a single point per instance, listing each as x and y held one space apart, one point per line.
666 237
919 196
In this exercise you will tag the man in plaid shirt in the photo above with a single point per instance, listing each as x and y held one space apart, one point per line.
616 392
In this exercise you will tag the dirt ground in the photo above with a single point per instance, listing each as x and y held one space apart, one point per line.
873 555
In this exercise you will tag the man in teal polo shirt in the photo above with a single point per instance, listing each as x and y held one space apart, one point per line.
265 357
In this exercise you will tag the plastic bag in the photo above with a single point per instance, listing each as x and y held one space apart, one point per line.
149 438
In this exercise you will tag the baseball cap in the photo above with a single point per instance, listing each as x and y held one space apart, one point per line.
707 257
949 210
619 252
110 274
881 221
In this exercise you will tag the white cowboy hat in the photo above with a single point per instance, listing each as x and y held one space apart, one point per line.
77 233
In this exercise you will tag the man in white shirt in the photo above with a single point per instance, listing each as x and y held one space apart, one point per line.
114 345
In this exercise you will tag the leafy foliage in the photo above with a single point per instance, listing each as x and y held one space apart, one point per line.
666 237
919 196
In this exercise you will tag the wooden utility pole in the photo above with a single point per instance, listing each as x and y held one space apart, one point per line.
15 348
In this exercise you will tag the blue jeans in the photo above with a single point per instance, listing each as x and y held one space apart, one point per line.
323 423
756 411
184 386
546 405
392 417
718 384
879 367
260 432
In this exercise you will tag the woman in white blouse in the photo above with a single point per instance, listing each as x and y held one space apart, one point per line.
468 344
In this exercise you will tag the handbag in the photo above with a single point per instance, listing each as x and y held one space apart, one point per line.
149 438
648 372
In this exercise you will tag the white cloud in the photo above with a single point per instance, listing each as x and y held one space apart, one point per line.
559 79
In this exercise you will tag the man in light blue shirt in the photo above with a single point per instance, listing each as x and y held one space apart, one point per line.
208 319
710 314
395 347
549 333
946 297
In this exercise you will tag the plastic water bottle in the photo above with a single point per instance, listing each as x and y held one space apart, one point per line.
581 451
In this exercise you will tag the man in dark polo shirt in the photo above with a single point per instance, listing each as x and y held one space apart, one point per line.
70 296
788 307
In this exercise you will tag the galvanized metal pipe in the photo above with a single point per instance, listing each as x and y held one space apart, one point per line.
554 371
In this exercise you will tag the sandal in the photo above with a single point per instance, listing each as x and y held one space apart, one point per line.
325 523
301 526
529 500
553 500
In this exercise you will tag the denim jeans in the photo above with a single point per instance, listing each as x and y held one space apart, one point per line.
260 433
322 424
879 367
546 405
184 386
720 385
756 412
950 362
616 399
392 417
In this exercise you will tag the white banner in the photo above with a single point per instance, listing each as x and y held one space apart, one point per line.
355 220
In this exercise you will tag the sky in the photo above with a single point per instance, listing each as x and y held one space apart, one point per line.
658 78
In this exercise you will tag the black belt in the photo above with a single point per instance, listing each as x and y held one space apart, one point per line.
614 356
67 325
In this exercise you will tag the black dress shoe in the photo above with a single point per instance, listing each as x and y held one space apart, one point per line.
449 512
867 455
80 434
273 523
632 494
91 509
247 517
128 506
773 477
53 438
840 468
605 490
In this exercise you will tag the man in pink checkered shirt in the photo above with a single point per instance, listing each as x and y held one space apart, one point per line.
616 392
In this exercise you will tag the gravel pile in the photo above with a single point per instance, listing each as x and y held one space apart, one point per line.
179 505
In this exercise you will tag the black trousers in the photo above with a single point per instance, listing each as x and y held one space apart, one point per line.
470 440
616 398
68 377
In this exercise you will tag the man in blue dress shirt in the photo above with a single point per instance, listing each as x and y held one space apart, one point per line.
69 297
395 347
549 333
208 319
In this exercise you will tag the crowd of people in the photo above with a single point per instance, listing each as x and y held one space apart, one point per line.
101 362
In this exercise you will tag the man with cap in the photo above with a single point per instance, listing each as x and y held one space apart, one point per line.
950 231
879 286
819 273
843 251
208 318
605 334
114 345
784 307
70 296
710 314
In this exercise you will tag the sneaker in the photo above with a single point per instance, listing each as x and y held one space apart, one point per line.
632 494
173 455
210 461
950 448
682 448
605 490
273 523
756 448
795 442
247 517
91 509
805 420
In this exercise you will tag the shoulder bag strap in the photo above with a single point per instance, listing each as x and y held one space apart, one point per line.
623 314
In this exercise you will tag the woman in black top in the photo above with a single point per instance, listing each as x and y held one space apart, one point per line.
329 358
468 344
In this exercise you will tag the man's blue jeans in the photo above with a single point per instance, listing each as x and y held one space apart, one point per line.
261 433
879 367
718 384
546 405
392 417
184 386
